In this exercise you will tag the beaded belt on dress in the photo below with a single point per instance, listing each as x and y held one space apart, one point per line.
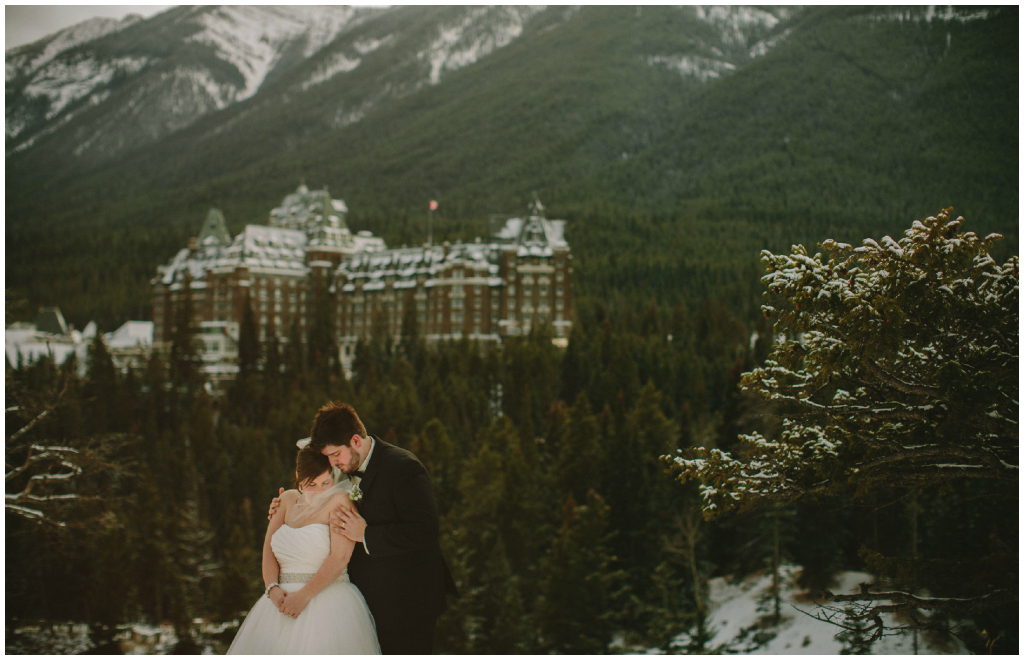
295 578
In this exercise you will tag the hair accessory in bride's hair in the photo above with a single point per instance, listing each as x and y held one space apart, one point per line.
301 444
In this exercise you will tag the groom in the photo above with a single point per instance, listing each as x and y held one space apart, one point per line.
397 562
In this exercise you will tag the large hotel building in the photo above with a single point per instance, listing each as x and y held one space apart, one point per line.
484 290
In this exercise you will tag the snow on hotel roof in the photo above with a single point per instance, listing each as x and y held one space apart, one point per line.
306 220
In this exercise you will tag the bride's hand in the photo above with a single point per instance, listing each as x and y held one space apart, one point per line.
274 503
292 604
276 596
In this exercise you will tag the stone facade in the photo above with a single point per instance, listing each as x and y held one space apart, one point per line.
482 290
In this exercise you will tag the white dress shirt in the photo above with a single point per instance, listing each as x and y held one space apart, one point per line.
356 480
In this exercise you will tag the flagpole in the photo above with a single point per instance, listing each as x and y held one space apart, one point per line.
430 227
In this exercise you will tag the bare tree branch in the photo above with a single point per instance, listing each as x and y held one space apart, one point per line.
38 418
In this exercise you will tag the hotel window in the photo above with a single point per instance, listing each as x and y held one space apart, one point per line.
559 291
511 291
543 291
558 304
559 262
263 320
263 306
527 290
559 276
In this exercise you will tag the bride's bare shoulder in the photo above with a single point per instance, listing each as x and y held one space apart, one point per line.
289 497
339 498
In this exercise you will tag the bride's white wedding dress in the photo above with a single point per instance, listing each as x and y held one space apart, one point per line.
336 620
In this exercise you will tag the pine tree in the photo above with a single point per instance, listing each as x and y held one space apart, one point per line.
185 360
321 349
248 341
194 556
100 388
581 588
501 622
581 456
897 366
439 454
239 581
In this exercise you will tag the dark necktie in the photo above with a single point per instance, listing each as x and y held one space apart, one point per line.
356 473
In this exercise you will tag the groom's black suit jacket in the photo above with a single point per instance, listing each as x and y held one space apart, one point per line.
404 578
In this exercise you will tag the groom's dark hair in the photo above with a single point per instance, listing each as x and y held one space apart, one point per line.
334 425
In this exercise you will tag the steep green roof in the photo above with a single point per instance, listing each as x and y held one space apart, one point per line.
216 227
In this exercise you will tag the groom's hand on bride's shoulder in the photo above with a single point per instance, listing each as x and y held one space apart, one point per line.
274 503
347 522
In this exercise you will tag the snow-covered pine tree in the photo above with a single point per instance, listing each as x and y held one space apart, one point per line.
897 364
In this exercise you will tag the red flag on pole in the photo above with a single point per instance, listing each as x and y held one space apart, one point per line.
433 205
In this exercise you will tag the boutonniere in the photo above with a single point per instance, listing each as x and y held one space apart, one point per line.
356 494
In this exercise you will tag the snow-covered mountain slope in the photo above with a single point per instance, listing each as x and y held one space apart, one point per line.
740 621
102 88
254 39
161 74
106 88
23 60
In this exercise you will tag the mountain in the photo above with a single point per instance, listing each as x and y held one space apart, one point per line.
102 87
678 142
280 75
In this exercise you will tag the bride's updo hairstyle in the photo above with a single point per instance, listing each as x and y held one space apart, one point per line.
309 464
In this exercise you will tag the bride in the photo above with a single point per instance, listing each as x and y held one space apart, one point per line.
309 605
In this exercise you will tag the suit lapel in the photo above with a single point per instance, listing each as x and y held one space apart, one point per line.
372 469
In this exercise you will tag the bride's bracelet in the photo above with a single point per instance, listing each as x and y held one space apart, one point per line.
271 586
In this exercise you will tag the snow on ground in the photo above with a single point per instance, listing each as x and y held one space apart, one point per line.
738 609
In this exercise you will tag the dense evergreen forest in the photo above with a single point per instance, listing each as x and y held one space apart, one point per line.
562 524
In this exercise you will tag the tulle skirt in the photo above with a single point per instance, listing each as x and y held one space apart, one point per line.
336 620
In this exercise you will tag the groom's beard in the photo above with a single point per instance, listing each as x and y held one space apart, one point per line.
353 463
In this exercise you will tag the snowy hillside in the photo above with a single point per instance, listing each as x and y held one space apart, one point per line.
740 612
109 87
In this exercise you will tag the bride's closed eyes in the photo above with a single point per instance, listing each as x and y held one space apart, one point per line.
321 483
